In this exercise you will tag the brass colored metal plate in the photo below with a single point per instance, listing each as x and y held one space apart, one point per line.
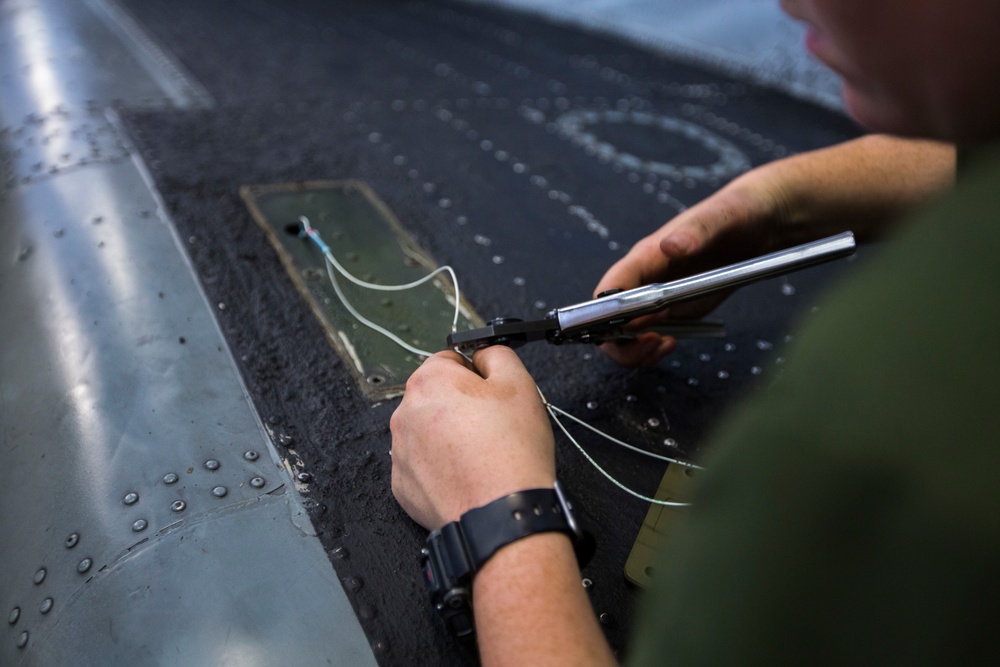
370 243
660 520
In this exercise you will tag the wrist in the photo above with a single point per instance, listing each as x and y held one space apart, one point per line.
457 551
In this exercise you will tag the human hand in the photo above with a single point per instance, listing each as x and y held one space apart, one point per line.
464 436
862 185
743 220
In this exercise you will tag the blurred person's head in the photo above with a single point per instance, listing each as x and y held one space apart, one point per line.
914 67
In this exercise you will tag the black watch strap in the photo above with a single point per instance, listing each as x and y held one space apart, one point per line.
459 549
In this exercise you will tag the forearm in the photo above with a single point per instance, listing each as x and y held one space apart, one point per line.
531 609
863 185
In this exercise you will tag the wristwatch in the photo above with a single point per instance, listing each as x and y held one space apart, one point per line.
459 549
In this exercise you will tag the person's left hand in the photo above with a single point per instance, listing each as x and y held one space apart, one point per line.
463 437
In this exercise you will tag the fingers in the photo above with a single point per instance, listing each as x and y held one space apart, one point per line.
645 263
497 361
644 351
693 230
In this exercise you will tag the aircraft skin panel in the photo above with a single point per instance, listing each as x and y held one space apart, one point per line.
146 516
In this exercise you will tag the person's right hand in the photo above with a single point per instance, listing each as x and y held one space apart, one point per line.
859 186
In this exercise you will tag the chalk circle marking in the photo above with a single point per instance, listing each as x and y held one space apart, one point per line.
575 126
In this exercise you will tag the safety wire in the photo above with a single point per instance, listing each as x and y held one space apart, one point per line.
554 412
332 263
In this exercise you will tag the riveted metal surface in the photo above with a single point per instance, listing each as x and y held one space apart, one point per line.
119 401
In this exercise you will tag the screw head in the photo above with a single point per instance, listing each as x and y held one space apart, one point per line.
257 482
139 525
84 565
178 506
131 498
46 606
15 614
170 478
72 540
40 576
251 455
220 492
212 464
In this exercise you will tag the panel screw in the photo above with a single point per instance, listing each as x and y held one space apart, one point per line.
15 614
72 540
46 606
131 498
257 482
211 464
178 505
220 492
251 455
84 565
22 639
139 525
40 576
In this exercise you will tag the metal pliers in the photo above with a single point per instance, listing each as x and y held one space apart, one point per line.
604 318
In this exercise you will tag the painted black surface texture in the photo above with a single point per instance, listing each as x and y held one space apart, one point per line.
447 112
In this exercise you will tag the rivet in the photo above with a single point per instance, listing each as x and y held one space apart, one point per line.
15 614
72 540
631 398
340 553
653 422
22 639
723 375
40 576
285 440
591 405
352 584
587 583
304 477
704 356
84 565
131 498
220 492
211 464
46 606
257 482
729 347
178 506
670 442
170 478
251 455
756 370
606 619
139 525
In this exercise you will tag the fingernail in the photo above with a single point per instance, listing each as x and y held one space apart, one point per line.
676 245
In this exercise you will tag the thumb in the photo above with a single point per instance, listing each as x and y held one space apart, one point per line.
694 229
499 363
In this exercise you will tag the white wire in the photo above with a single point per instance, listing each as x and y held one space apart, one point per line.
620 443
554 412
331 261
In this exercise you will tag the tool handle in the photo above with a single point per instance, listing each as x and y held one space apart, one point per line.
616 309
